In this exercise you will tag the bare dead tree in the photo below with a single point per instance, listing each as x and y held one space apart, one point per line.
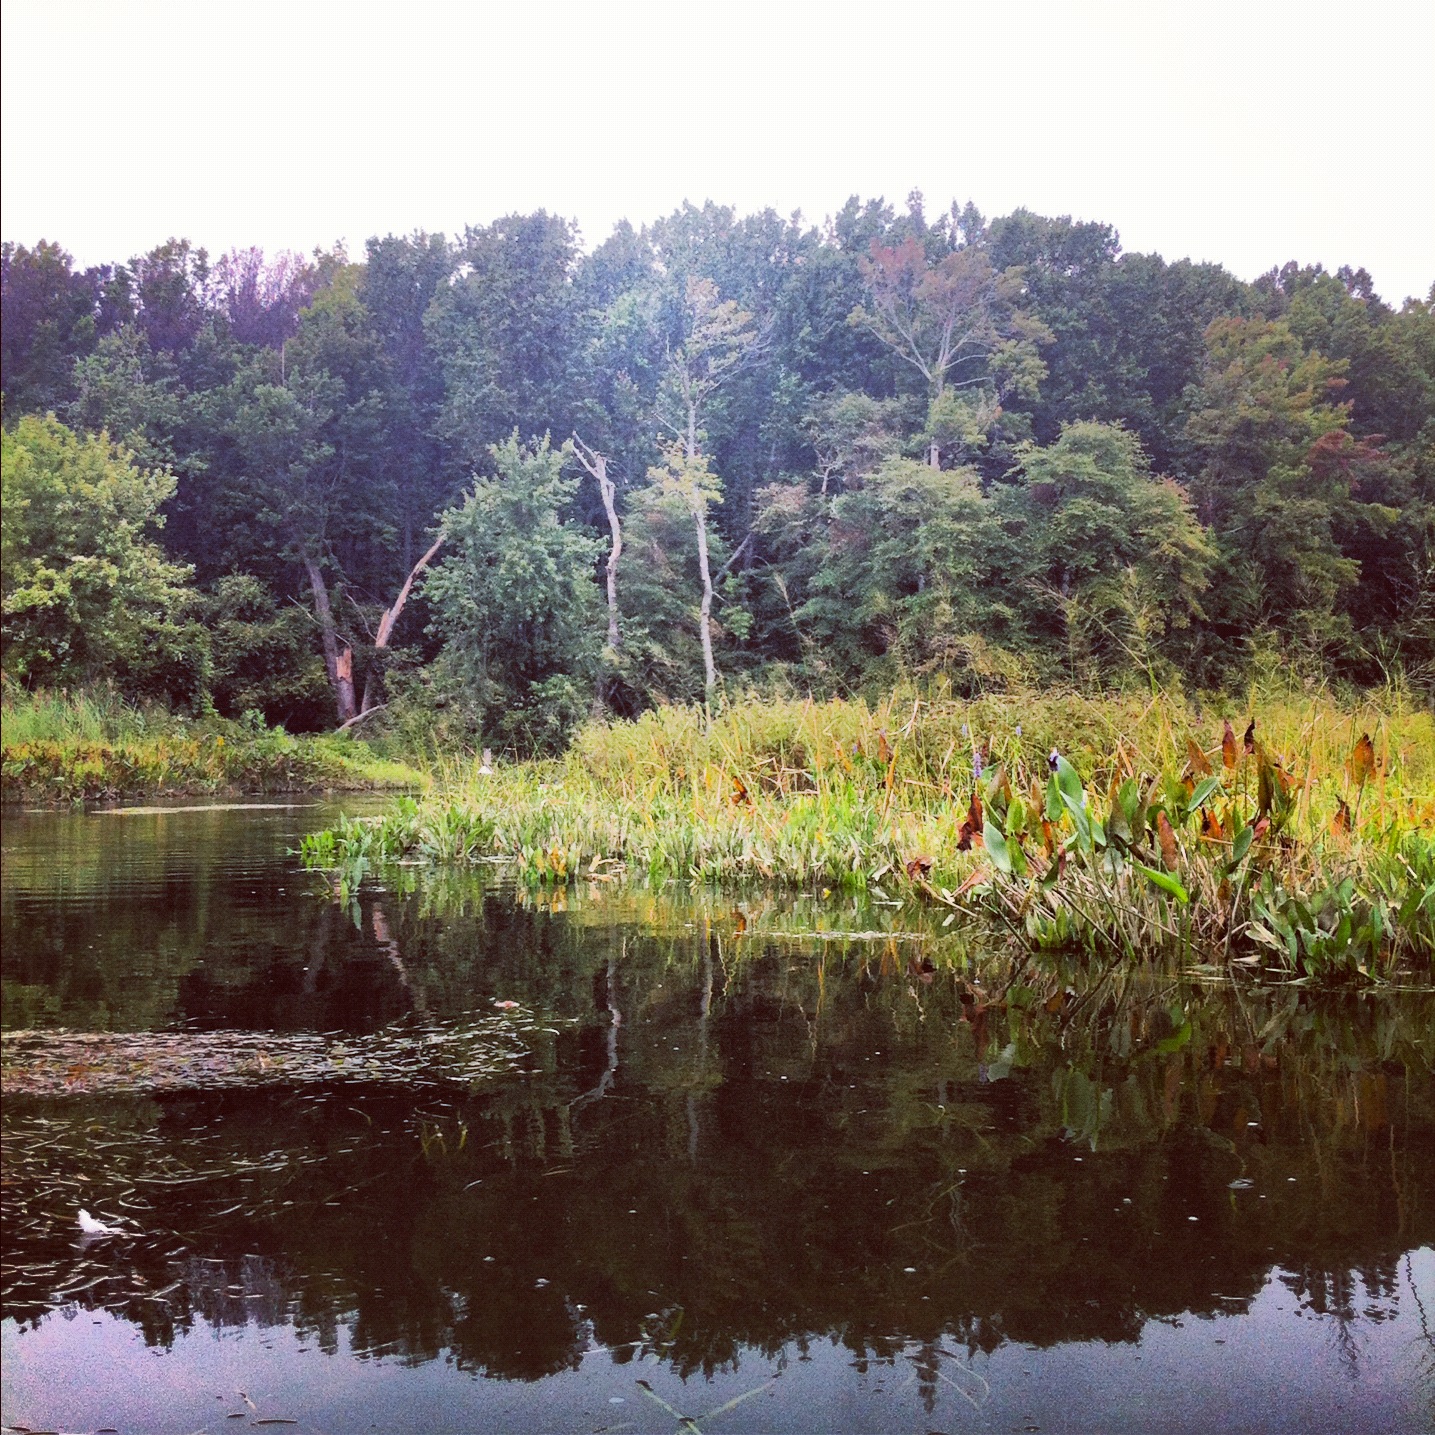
597 464
373 684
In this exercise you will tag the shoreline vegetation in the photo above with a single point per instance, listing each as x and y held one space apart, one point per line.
93 746
1288 834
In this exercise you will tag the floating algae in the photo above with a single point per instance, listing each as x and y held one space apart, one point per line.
473 1050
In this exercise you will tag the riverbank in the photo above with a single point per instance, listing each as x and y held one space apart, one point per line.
59 748
1287 832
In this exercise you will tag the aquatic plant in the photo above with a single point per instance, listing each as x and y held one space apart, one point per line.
1133 839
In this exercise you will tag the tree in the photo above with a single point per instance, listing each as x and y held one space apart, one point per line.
506 332
124 389
596 464
88 595
514 600
957 323
686 479
894 577
48 319
1266 406
718 337
1115 563
1126 329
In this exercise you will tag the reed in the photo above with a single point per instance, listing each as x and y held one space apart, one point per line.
59 747
1290 830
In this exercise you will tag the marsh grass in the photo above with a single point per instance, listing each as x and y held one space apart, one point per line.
1285 853
68 747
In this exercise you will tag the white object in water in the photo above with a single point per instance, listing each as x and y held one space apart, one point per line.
89 1226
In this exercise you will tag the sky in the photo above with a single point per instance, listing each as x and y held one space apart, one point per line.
1246 133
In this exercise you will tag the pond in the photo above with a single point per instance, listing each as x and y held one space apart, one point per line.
447 1156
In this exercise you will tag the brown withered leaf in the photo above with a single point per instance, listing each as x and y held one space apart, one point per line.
1167 838
1229 752
884 748
919 866
1048 836
1249 741
739 792
1211 828
1200 764
1361 764
1340 823
999 782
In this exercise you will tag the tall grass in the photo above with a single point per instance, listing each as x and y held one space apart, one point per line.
65 747
94 715
950 802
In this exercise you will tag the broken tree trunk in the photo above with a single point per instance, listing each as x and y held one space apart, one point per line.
374 683
340 664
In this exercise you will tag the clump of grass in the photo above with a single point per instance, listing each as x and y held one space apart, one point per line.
94 746
952 803
95 715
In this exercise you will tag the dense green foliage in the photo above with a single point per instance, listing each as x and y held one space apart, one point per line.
88 593
987 452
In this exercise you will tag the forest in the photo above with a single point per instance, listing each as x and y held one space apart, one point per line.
483 488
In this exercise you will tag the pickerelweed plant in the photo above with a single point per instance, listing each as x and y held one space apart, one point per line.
1209 863
1134 842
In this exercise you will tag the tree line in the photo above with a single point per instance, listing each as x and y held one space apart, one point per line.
510 481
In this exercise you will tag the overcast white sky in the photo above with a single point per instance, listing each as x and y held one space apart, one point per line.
1248 133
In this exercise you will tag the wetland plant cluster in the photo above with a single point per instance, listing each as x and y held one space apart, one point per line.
93 745
1298 840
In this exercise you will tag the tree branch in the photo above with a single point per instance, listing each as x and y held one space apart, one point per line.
736 554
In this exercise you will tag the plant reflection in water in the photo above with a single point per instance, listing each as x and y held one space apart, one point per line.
734 1132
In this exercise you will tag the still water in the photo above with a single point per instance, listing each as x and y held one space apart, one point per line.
449 1157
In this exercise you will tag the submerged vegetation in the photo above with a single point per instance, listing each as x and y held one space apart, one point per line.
1297 839
93 745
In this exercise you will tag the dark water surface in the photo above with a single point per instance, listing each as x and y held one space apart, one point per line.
756 1167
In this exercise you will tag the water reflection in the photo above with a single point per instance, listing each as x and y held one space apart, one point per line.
745 1144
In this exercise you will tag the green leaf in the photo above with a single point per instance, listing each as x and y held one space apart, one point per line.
1077 809
1069 781
1053 800
1165 881
996 844
1202 794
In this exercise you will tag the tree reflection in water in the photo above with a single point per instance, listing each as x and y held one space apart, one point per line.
742 1134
